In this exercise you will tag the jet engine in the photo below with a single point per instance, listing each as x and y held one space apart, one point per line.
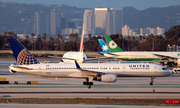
12 71
106 78
178 62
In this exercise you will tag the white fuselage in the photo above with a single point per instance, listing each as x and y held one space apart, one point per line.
69 69
144 55
79 57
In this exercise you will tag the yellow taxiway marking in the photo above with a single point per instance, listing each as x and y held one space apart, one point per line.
106 86
6 87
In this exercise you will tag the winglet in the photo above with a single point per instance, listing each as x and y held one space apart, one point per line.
77 65
62 60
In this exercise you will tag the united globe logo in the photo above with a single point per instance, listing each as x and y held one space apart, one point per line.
26 58
112 44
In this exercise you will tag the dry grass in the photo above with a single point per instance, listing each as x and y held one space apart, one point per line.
87 100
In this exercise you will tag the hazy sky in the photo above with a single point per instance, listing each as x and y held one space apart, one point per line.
138 4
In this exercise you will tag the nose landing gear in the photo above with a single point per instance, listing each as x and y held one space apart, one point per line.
151 83
87 82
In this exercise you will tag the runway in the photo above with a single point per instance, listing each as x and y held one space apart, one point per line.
124 88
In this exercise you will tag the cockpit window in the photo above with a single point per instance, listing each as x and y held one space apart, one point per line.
164 69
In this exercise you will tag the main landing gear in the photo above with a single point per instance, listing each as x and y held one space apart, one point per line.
87 82
151 83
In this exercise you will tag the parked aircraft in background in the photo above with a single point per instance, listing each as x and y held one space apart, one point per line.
104 72
80 57
70 56
115 50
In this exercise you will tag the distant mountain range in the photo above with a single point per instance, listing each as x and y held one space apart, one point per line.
152 17
17 17
138 4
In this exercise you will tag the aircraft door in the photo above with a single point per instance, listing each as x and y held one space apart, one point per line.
155 69
39 69
123 69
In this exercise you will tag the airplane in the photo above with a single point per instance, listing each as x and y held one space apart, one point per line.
104 72
80 57
152 56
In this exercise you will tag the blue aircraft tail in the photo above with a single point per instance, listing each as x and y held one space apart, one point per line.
104 46
21 54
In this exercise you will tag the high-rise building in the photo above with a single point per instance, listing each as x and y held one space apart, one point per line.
160 31
72 24
55 22
103 21
127 31
41 23
63 23
145 30
100 20
89 22
114 21
154 31
68 31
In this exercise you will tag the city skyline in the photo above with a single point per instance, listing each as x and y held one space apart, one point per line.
74 17
99 21
103 21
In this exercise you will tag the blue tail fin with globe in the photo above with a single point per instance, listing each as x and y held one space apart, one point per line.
21 54
104 46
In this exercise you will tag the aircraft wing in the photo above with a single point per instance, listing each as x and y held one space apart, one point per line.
22 67
88 59
62 58
164 56
88 72
102 53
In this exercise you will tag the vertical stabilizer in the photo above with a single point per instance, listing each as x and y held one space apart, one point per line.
104 46
113 47
82 40
21 54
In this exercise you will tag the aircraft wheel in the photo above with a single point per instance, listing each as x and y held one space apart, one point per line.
151 83
84 83
90 83
89 87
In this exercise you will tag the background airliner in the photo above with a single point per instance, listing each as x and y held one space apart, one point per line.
80 57
105 72
115 50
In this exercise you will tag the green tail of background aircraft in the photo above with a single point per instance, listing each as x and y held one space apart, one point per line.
139 56
113 47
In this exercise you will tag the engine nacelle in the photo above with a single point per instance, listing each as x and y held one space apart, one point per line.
178 62
12 71
106 78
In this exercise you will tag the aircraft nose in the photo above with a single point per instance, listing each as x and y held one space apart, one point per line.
168 73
